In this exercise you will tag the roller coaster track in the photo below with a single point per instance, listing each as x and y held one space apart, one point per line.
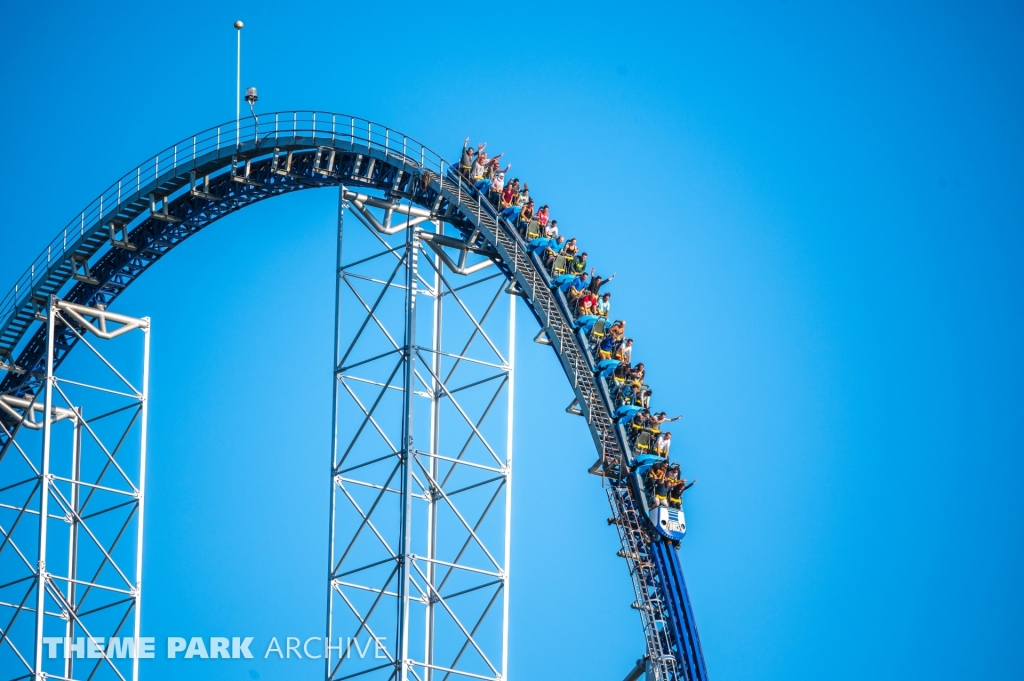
185 188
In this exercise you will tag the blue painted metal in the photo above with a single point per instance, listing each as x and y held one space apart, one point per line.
684 628
325 150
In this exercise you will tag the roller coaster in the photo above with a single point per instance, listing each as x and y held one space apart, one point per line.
72 481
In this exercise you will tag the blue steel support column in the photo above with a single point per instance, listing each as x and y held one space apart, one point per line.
405 539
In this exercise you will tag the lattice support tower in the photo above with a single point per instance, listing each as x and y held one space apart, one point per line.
71 511
422 465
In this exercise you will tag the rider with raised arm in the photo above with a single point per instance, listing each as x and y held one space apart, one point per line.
478 171
468 155
675 493
661 417
596 282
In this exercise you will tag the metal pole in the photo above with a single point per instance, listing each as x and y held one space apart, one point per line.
508 481
44 491
334 434
76 474
435 449
405 533
143 434
238 84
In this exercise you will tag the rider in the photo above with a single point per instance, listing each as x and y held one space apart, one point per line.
542 215
579 264
656 482
661 417
596 282
675 493
466 163
663 444
550 251
637 375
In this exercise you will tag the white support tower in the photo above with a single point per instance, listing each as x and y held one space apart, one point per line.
422 465
71 524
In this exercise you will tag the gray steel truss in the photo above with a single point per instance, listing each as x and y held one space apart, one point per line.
74 466
422 463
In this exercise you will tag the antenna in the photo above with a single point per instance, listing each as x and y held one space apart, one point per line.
238 84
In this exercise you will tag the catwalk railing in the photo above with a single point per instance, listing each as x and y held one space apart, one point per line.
53 263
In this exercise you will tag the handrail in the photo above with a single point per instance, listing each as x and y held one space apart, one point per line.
317 125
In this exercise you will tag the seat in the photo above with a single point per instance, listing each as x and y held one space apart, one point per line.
533 230
560 266
643 441
597 333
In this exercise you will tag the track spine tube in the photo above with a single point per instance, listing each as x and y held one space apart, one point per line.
692 639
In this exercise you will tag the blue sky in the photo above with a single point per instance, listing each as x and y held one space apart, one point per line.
815 213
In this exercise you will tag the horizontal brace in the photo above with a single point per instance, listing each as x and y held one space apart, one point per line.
358 379
133 493
448 670
108 509
105 606
79 312
367 361
368 463
474 588
4 604
463 358
360 483
25 509
478 484
345 275
68 381
459 461
365 567
349 585
94 585
480 382
18 581
413 556
19 484
10 404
